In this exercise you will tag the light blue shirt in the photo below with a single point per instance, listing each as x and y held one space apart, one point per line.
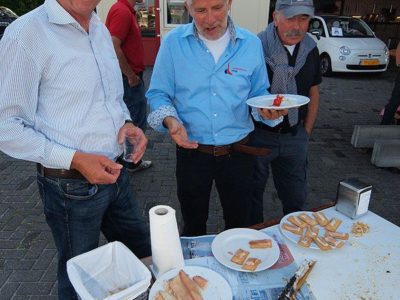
60 88
208 98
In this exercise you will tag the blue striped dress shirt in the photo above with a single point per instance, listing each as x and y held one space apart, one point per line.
60 88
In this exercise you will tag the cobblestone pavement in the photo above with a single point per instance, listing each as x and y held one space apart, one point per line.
27 253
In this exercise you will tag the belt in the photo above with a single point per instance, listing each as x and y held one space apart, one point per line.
277 129
60 173
235 147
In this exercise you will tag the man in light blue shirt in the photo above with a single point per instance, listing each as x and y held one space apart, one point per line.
61 106
203 75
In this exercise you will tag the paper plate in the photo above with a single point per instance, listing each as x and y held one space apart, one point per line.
226 243
289 101
217 288
295 237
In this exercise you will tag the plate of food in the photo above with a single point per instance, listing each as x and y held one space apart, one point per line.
191 282
278 101
314 230
245 250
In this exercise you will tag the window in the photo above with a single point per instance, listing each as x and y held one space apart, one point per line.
176 13
145 15
347 27
316 26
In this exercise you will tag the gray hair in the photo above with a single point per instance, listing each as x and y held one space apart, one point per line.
189 2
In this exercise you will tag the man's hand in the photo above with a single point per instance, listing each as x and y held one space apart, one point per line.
136 136
178 133
272 114
97 169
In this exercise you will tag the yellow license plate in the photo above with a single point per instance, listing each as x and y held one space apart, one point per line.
369 62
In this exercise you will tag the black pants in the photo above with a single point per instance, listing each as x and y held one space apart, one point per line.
195 173
394 102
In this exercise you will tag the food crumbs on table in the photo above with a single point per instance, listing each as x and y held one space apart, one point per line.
359 229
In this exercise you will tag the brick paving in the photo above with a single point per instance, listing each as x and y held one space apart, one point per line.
27 253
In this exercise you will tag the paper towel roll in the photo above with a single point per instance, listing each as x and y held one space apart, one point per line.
165 243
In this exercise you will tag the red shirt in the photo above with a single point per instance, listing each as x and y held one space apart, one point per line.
121 22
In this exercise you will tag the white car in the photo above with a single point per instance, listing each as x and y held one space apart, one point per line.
347 44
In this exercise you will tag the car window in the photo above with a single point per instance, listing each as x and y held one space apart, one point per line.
344 27
316 26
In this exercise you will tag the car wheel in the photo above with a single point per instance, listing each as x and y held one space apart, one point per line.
326 66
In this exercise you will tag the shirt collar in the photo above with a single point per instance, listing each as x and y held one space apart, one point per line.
58 15
233 31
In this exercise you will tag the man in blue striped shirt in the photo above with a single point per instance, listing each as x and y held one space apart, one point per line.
61 106
203 75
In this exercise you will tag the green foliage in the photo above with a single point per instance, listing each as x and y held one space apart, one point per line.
21 7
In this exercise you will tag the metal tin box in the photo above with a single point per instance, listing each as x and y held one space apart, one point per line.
352 198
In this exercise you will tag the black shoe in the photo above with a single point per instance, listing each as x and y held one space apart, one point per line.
144 164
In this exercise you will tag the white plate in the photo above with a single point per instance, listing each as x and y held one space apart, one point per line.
227 242
217 289
289 101
295 237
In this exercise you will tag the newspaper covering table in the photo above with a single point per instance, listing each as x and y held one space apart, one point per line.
263 285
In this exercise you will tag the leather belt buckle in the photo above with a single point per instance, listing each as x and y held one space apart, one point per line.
220 150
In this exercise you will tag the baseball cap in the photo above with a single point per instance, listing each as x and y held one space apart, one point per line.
291 8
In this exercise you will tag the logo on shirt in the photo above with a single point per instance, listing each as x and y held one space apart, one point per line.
228 70
231 71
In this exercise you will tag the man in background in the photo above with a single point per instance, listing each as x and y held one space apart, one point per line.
293 66
127 40
394 101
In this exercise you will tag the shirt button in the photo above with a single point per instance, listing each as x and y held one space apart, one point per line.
214 94
208 51
215 115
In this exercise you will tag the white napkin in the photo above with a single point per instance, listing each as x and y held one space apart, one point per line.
165 243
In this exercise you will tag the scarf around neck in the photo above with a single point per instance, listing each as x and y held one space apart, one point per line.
276 57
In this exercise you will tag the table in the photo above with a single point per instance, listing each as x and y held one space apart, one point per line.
367 267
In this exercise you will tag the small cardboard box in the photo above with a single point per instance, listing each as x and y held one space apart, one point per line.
110 272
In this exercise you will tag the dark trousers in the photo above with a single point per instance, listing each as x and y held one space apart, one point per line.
135 100
394 103
77 211
288 162
195 174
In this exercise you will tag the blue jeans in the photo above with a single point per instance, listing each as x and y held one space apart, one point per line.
77 211
288 162
135 100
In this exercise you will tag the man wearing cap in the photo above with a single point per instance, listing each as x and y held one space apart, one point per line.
292 61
